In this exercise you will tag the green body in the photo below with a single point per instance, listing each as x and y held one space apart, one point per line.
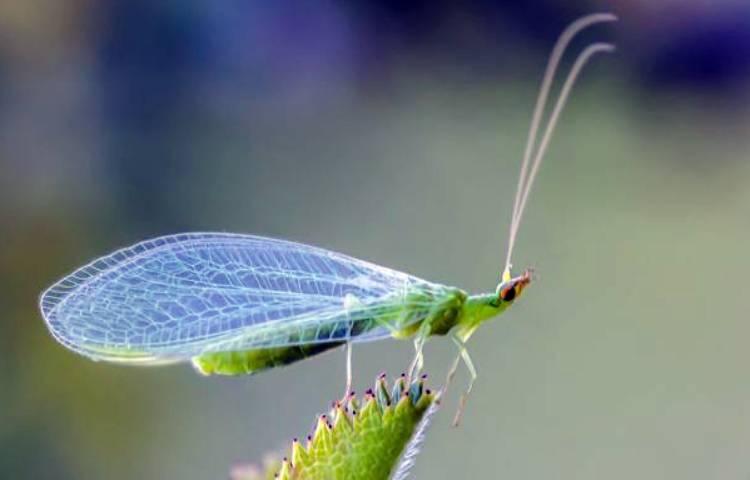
447 310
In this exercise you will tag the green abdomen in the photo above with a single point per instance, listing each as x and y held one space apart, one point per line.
253 361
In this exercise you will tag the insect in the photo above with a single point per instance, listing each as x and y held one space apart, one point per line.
239 304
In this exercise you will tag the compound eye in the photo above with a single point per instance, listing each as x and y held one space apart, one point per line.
508 294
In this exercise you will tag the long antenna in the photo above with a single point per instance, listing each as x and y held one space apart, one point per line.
526 177
580 62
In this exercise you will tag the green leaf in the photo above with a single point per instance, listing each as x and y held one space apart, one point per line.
360 438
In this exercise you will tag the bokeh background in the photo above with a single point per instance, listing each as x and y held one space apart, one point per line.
391 131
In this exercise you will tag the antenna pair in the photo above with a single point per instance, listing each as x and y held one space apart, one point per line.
529 168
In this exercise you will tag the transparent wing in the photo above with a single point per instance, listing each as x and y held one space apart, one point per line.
179 296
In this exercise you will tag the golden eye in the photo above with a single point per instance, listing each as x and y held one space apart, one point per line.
508 294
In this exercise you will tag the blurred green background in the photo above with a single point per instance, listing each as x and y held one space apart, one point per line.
392 132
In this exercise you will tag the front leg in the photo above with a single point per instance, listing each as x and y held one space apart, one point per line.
463 354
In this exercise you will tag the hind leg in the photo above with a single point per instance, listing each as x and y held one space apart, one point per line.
349 375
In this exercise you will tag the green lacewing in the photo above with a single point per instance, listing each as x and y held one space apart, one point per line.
238 304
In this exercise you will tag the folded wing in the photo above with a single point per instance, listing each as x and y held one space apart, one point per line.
179 296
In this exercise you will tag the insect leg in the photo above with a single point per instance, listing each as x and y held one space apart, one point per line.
463 354
418 362
451 374
348 350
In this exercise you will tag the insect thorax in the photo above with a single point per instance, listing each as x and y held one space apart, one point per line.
446 313
456 311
